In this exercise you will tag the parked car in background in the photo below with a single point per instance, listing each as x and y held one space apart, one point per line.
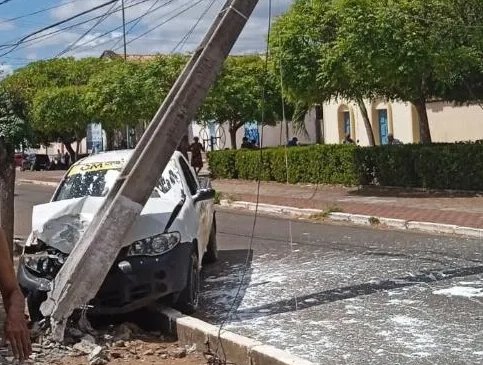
162 253
36 162
19 157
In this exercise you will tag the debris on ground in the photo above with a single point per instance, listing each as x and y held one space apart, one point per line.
122 344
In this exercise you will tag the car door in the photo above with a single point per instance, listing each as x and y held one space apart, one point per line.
198 209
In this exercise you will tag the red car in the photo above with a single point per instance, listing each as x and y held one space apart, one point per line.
19 157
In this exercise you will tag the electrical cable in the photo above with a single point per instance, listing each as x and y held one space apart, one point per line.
41 37
252 235
183 40
166 21
37 12
117 28
99 21
24 38
4 2
139 19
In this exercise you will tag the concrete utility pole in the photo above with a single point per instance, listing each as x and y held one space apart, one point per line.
87 266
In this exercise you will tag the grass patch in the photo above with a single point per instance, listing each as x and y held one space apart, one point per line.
326 213
374 221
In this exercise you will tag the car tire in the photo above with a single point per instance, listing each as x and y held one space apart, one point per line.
211 254
188 299
34 300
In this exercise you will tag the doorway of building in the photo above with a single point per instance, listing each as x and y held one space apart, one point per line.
383 126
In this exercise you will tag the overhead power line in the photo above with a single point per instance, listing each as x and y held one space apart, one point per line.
37 12
99 21
30 37
56 24
183 40
167 20
4 2
136 22
137 19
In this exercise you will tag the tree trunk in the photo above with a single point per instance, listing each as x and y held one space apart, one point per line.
232 131
68 147
77 147
367 122
424 130
7 189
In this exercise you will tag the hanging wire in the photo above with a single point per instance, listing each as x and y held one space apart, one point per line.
254 224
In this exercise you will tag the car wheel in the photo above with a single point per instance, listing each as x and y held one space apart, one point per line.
211 254
34 300
188 299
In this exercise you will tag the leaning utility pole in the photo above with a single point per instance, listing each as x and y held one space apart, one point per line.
87 266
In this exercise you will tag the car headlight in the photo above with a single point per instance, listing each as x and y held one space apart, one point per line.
155 245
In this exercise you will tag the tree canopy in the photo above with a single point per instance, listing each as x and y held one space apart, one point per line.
408 50
243 92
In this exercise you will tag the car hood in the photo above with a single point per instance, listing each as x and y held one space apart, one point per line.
60 224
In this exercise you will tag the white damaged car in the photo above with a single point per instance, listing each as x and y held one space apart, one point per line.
162 253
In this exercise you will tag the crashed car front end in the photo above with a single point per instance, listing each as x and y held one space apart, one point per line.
152 263
146 270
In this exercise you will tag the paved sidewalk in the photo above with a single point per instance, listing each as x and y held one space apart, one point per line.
461 209
438 207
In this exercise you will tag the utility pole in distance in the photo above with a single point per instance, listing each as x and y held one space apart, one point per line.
92 257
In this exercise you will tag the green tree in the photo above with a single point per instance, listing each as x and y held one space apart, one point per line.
434 51
241 94
409 50
127 93
14 132
61 112
24 85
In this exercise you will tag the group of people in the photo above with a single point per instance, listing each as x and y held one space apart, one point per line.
247 144
60 161
390 140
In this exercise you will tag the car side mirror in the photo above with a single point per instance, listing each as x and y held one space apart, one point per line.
204 194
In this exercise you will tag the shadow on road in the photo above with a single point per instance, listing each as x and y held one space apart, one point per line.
333 295
222 291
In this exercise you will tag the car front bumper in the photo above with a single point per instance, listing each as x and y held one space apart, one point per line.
132 283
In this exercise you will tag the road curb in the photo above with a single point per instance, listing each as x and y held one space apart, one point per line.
358 219
239 350
38 182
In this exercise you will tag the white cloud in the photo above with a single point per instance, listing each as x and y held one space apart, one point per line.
5 69
6 25
167 36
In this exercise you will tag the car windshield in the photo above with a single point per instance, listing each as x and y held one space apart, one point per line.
97 179
88 183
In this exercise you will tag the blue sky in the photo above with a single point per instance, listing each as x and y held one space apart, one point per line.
107 34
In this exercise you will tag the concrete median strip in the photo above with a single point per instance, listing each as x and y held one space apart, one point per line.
38 182
358 219
238 349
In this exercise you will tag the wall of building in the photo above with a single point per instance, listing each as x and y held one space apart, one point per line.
448 123
272 135
451 123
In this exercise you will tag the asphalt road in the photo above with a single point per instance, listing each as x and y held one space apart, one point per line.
338 294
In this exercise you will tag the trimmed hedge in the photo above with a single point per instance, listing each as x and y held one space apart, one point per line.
436 166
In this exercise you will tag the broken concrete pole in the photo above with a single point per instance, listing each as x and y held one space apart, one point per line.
88 264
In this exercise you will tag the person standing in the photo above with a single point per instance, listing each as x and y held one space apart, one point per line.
392 140
348 139
16 332
67 160
293 142
196 158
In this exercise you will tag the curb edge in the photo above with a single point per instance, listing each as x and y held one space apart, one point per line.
358 219
242 350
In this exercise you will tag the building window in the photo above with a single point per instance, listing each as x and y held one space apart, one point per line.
383 126
347 123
